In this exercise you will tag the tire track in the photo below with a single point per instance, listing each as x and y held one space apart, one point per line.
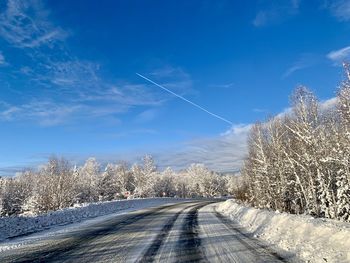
259 249
53 252
188 246
153 249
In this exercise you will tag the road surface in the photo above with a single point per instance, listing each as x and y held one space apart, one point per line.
183 232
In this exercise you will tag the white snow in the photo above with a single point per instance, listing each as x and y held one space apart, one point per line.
312 240
23 225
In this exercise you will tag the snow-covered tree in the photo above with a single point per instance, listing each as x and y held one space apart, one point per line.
144 177
203 182
87 183
300 162
108 186
125 179
164 184
182 184
195 173
12 197
54 186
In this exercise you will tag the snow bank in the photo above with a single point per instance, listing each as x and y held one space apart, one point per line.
22 225
312 240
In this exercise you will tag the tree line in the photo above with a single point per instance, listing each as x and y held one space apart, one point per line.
59 184
299 162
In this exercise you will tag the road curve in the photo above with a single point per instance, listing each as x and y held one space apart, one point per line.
185 232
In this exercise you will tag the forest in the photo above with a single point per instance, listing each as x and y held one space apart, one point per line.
59 184
299 162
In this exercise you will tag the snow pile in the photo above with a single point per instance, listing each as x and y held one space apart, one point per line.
22 225
312 240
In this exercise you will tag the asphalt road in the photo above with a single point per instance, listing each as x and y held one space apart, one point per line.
185 232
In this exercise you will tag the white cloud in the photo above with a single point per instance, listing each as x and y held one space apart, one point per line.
340 9
8 113
276 12
11 170
28 31
224 86
284 112
339 55
131 133
297 66
51 113
146 116
305 60
259 110
168 71
71 74
72 86
323 105
2 59
237 129
46 113
225 152
84 95
328 104
174 78
295 4
262 18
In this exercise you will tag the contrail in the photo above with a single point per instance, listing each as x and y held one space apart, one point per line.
184 99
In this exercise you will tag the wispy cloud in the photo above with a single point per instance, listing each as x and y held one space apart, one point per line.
28 31
132 133
223 86
339 8
263 17
73 73
225 152
147 116
172 77
32 162
305 61
12 170
169 71
2 59
47 113
297 66
99 99
274 12
259 110
64 87
112 101
323 106
328 104
338 56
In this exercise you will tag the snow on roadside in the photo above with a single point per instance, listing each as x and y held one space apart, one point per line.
312 240
23 225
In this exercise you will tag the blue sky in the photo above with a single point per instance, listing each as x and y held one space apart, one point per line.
69 85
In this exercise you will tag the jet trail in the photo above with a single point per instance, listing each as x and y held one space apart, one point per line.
184 99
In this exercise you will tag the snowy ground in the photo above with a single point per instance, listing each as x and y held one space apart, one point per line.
312 240
190 231
14 230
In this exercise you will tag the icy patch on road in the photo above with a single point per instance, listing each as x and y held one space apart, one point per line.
312 240
56 222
